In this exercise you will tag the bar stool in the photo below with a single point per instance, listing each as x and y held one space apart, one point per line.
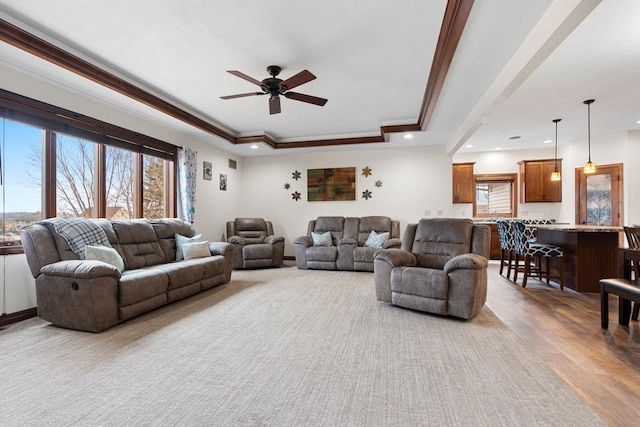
507 253
524 247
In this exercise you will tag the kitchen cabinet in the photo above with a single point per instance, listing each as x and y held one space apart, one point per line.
464 185
535 181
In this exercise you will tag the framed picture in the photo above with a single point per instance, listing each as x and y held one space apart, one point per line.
223 182
331 184
207 171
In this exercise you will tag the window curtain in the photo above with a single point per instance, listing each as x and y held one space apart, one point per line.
187 182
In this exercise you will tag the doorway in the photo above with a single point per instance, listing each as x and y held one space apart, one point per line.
599 196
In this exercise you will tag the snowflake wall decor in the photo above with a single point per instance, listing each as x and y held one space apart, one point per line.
295 196
367 171
296 175
366 194
378 183
287 186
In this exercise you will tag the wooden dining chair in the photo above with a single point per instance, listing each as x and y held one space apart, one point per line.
632 233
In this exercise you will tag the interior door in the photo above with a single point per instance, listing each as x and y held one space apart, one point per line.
599 197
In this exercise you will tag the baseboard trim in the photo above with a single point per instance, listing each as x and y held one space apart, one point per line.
289 258
7 319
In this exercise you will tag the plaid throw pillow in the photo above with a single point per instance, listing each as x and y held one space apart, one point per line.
79 232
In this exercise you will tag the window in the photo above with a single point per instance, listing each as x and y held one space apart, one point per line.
153 188
20 179
54 162
120 183
75 171
495 196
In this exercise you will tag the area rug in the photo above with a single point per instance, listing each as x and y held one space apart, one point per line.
283 347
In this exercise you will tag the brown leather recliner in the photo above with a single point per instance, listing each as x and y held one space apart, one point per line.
441 268
254 243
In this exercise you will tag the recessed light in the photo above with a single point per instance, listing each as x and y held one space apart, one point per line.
408 136
498 148
547 141
254 146
469 146
515 137
638 122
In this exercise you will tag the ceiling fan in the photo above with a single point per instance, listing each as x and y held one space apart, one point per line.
274 87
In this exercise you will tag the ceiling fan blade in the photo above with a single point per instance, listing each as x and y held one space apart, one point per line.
241 95
296 80
245 77
274 105
306 98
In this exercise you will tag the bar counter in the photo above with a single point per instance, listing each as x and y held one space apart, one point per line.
590 252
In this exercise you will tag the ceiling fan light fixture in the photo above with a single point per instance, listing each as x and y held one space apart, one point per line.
589 167
274 87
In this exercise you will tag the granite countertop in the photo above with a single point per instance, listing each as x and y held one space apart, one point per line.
580 228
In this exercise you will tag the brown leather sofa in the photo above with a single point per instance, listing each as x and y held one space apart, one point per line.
254 243
441 268
93 295
348 237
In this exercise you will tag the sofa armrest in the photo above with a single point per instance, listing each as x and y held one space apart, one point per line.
394 243
301 245
396 257
272 240
467 262
303 240
236 240
80 269
384 261
220 248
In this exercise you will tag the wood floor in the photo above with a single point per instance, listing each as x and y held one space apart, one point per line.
563 327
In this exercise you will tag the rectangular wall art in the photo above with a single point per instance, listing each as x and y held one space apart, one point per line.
331 184
207 171
223 182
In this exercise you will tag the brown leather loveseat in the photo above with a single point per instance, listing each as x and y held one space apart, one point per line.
339 243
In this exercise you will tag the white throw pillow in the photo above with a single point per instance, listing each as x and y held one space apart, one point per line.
104 254
321 239
376 240
182 240
196 250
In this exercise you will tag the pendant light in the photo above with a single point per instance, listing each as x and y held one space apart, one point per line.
589 167
555 175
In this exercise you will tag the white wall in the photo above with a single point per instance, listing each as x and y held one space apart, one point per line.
413 180
632 180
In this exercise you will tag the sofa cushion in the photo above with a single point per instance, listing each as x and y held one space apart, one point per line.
196 250
142 284
323 239
104 254
138 243
379 224
166 230
184 240
334 224
438 240
423 282
376 240
253 230
322 253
